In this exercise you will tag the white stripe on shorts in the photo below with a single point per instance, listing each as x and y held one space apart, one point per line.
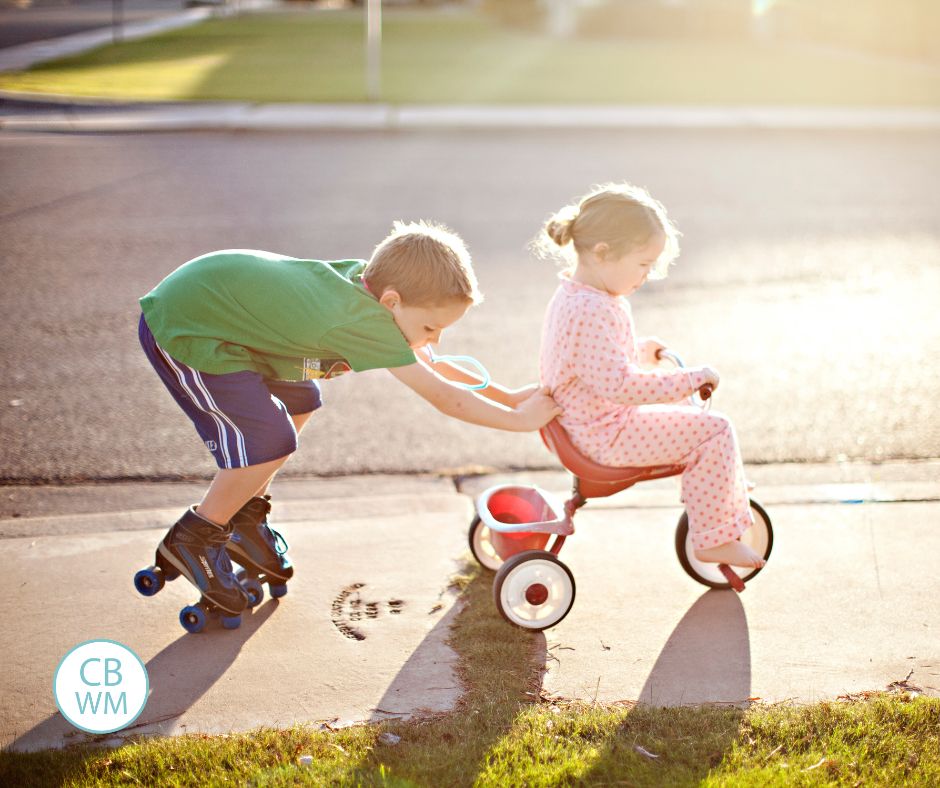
217 416
239 435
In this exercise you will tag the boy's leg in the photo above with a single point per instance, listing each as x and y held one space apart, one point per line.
300 420
254 544
249 433
231 487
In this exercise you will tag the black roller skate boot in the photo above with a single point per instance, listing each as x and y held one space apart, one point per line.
195 548
260 549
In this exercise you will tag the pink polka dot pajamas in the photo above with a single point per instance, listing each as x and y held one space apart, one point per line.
620 414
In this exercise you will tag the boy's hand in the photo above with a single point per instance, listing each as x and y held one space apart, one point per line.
515 397
536 410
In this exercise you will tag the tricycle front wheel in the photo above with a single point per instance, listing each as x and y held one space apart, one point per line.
759 537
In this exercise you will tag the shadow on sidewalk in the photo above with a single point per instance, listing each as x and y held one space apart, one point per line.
486 693
179 675
705 662
427 683
707 658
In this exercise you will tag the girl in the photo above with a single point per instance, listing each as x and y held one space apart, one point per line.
616 412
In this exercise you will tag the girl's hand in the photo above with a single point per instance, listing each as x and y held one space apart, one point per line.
536 410
711 377
649 349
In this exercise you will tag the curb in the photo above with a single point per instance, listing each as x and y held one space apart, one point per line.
62 510
81 117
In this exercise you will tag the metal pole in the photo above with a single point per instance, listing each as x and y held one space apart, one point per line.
117 20
374 49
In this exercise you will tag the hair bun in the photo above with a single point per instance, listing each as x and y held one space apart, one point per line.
559 230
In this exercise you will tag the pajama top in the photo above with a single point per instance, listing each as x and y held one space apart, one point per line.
620 414
594 366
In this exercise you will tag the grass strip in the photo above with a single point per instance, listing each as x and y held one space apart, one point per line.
505 733
429 58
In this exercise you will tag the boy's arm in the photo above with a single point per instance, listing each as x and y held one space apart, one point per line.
532 414
511 398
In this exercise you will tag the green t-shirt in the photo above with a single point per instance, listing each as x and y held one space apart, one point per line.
285 318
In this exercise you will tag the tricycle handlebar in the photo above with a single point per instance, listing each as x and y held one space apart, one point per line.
704 391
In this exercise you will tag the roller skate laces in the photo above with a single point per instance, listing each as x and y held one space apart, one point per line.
257 547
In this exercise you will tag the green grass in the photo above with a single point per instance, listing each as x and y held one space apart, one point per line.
504 733
299 56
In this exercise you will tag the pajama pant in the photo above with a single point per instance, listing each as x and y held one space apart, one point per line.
714 489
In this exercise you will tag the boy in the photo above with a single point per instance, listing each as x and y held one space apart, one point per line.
240 339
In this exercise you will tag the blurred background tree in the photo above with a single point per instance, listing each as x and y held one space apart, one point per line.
905 28
908 28
517 13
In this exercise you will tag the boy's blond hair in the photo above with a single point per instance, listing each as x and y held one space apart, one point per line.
620 215
425 263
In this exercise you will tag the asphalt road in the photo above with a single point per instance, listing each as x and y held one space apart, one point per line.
809 279
25 21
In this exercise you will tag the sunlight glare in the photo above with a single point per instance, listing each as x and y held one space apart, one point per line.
761 7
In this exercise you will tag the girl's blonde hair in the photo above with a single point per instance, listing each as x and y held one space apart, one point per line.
426 263
623 216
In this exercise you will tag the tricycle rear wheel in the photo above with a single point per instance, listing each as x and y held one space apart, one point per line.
534 590
481 545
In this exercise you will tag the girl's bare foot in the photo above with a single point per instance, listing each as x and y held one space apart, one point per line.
733 553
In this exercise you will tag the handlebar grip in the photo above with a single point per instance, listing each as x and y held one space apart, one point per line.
705 391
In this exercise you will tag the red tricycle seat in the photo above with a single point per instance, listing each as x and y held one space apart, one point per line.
595 480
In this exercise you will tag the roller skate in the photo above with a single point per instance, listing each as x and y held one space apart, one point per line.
195 549
260 550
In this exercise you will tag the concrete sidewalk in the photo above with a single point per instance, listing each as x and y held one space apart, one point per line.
359 636
848 602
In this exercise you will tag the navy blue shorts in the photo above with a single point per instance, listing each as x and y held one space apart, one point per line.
242 417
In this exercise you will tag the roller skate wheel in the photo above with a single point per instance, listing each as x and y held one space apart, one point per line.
149 581
254 589
231 622
193 618
278 590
